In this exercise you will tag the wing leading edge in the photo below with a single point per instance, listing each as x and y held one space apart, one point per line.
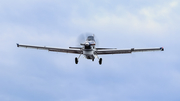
97 52
74 51
125 51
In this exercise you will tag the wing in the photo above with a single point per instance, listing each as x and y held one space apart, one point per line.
104 48
75 51
125 51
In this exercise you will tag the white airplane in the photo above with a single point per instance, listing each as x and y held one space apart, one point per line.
89 50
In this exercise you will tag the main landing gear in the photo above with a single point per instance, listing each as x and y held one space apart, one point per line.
76 60
100 61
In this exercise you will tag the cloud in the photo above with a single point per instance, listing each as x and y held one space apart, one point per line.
28 74
156 18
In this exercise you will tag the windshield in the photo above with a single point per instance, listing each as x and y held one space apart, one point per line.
90 38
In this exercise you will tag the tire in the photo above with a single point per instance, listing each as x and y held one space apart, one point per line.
76 60
100 61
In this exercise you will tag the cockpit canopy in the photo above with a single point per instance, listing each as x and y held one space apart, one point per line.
90 38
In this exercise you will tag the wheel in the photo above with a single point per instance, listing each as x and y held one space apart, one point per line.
76 60
93 59
100 61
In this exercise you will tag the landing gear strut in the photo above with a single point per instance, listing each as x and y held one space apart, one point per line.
76 59
100 61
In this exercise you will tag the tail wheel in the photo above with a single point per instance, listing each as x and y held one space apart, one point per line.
100 61
76 60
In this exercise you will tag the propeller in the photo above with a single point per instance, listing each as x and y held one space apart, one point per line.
82 38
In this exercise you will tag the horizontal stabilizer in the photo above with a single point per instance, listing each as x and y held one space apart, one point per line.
75 47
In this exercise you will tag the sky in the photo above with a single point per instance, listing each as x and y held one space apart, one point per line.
39 75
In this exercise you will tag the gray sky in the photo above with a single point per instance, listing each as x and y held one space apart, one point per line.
36 75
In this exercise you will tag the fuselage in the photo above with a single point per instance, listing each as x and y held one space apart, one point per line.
89 47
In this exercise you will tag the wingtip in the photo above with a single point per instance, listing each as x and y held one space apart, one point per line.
162 48
17 45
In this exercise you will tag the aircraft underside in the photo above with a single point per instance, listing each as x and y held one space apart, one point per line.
88 54
90 57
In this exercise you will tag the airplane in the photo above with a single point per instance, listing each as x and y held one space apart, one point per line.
89 50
